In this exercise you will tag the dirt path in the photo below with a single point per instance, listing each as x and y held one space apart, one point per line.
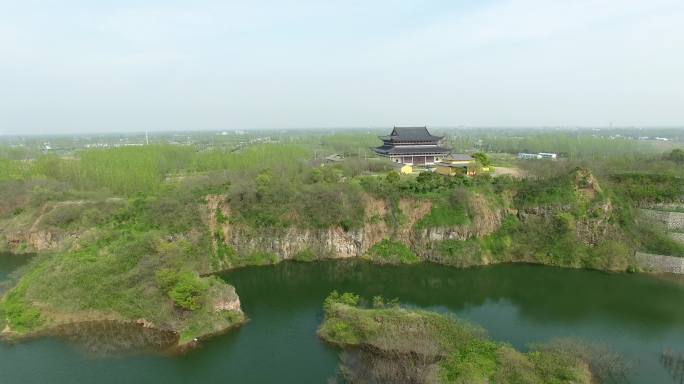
508 171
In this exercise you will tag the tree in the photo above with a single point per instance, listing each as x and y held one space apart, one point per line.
482 159
677 155
392 177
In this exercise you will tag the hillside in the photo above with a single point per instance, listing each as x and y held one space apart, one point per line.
137 246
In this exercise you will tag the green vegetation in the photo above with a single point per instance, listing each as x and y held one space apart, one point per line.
482 159
124 232
391 252
392 343
185 288
676 155
129 171
578 145
19 315
447 211
641 188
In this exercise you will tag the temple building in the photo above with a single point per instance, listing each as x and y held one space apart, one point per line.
457 164
412 146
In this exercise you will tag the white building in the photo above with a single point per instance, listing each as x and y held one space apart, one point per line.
537 156
527 156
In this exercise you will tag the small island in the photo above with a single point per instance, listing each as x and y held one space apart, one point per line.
387 343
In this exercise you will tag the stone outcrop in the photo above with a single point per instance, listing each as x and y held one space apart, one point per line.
33 241
335 242
678 237
659 263
673 221
224 298
228 305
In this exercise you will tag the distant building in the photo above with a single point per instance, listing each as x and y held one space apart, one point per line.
411 146
456 164
536 156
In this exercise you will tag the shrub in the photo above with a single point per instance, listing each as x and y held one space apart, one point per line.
387 251
186 289
346 298
474 363
482 159
677 155
166 279
305 255
392 177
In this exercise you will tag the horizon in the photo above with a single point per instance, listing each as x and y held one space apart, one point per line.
341 129
335 130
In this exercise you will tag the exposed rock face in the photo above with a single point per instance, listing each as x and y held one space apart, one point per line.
225 299
145 323
673 221
335 242
485 221
54 225
678 237
228 305
659 263
34 241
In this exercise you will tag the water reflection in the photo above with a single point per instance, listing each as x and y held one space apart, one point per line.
540 294
113 338
674 363
9 265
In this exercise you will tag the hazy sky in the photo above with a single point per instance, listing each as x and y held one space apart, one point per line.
102 66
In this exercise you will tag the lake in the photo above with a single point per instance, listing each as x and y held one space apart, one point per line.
639 316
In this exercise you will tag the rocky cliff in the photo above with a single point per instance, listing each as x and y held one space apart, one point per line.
580 229
334 242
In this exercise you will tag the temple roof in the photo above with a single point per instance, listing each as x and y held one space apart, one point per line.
408 150
400 134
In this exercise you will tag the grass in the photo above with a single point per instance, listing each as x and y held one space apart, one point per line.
391 252
124 223
444 214
141 261
431 344
20 315
305 255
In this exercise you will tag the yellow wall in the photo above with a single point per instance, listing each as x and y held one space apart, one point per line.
442 170
406 169
458 162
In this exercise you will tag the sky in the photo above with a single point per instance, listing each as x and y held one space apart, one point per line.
113 66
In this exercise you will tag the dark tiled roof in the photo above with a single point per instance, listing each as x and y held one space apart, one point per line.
450 165
410 134
407 150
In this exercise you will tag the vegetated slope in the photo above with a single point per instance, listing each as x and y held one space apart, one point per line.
135 260
117 241
138 251
566 220
387 343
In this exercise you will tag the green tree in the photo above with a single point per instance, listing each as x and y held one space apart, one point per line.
482 159
392 177
677 155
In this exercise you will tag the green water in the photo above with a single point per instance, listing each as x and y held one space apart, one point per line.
8 264
637 315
